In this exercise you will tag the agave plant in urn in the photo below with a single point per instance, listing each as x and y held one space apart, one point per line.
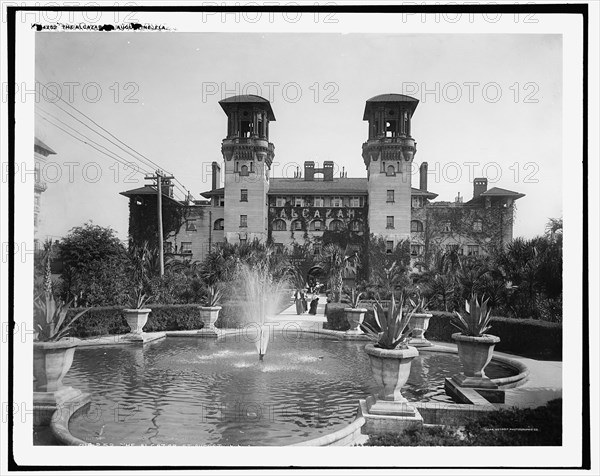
419 322
355 313
53 355
475 347
390 358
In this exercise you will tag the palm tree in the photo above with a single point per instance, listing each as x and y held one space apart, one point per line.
335 263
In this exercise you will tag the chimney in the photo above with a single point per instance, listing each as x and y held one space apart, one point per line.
479 186
328 171
423 176
309 170
216 176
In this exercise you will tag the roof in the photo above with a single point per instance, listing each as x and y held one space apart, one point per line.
146 190
390 98
342 186
40 144
228 103
316 187
501 192
214 193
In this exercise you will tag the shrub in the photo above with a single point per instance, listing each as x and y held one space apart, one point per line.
540 426
415 436
101 321
526 337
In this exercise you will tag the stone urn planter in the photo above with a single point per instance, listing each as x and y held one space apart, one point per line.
418 325
355 317
390 369
136 319
475 353
51 362
209 315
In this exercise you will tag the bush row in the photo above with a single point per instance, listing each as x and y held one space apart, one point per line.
526 337
111 320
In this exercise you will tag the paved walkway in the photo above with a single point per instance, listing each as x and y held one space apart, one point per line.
304 321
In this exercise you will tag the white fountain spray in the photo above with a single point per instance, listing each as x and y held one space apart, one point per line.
262 293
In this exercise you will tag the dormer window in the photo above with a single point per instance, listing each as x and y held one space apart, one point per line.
244 170
390 171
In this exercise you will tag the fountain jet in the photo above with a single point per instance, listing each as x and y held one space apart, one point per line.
262 293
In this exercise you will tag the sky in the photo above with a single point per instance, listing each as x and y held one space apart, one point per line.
489 105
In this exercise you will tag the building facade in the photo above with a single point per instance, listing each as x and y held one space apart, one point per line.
41 152
303 209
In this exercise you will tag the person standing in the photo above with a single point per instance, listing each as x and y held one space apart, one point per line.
298 302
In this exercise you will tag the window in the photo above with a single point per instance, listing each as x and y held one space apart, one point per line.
473 250
186 247
298 201
336 201
244 170
280 202
190 225
416 250
390 196
390 171
336 225
478 226
416 226
446 227
244 195
297 225
389 222
316 225
453 249
318 202
279 225
243 221
417 202
222 202
355 226
389 247
219 224
355 202
316 249
278 248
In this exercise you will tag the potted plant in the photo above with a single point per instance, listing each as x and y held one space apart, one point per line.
137 314
390 356
475 347
209 311
419 322
52 351
354 314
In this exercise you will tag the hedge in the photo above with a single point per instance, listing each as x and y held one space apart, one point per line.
110 320
525 337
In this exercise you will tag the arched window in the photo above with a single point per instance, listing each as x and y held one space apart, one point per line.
297 225
279 225
390 170
416 226
356 226
244 170
316 225
219 224
336 225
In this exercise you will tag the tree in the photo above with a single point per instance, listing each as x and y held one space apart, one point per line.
94 261
335 263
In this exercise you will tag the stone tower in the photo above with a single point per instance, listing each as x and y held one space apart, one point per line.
388 155
248 155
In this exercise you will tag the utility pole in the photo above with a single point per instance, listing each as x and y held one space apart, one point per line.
159 177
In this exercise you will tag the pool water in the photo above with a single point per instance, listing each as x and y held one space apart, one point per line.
192 391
